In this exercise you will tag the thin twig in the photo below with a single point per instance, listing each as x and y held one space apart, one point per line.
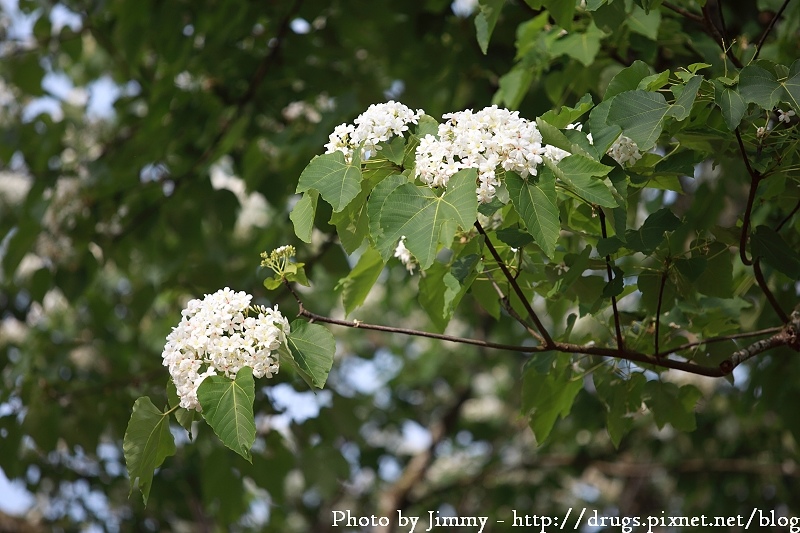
714 32
762 282
755 178
684 12
769 29
548 341
658 310
511 311
788 217
731 337
609 271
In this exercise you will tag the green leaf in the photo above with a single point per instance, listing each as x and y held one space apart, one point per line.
375 205
337 181
791 87
357 284
615 285
312 348
486 20
672 405
651 234
640 114
627 79
302 215
649 284
603 133
548 396
228 409
582 46
731 104
577 171
443 287
768 245
577 264
562 12
146 444
759 86
513 87
567 115
185 417
623 400
426 219
682 106
535 200
644 23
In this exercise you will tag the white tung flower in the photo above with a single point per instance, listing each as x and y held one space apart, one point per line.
485 140
217 335
405 257
624 151
379 123
785 116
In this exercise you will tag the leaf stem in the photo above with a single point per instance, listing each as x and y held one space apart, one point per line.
548 340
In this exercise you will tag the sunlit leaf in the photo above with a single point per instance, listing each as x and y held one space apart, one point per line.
228 408
147 443
337 181
426 219
312 348
535 200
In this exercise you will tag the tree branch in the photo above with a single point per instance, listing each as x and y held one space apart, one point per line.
755 178
609 271
714 32
789 335
548 341
684 12
762 282
788 217
658 310
769 29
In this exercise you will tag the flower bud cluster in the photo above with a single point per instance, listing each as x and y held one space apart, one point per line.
485 140
377 124
217 336
625 150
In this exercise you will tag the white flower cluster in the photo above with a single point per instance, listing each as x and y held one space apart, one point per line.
404 255
378 123
485 140
624 150
216 335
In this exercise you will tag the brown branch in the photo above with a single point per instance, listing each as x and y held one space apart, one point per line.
564 347
789 335
511 311
548 341
725 338
769 29
762 282
609 271
788 217
694 17
755 179
658 310
715 34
